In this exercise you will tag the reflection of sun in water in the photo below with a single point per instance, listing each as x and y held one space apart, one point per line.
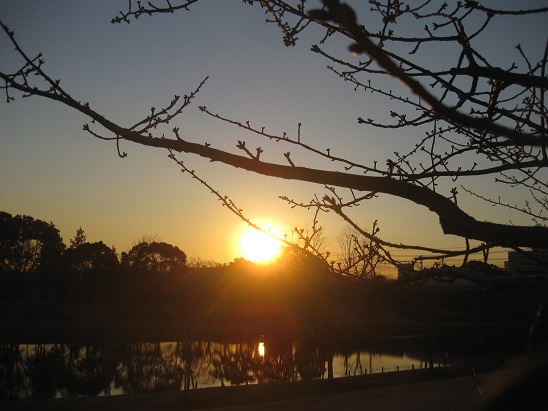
259 247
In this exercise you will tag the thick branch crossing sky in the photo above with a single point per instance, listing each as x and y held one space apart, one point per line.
53 170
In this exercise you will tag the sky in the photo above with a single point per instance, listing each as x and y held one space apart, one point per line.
52 170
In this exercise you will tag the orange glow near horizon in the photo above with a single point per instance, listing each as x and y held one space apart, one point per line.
260 247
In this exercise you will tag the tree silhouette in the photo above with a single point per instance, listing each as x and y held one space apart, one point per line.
154 270
79 238
92 269
30 257
155 257
479 118
359 255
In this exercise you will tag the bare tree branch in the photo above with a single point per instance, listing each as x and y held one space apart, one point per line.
503 134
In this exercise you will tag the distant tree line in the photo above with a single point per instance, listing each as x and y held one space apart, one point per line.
36 265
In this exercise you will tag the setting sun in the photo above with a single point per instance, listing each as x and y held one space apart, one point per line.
259 247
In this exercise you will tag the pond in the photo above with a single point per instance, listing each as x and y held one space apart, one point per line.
34 371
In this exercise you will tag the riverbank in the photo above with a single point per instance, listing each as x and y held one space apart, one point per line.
37 322
410 390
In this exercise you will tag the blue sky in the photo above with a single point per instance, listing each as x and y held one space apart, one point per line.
52 170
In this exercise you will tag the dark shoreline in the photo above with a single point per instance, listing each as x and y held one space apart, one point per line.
260 393
243 395
35 322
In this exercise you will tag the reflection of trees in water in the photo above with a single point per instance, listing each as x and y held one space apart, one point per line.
46 371
310 359
278 362
235 363
91 369
49 370
283 362
32 371
242 364
352 362
148 367
12 371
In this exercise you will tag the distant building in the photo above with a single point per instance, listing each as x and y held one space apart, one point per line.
527 263
444 278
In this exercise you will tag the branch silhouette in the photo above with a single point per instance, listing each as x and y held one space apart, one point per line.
494 124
